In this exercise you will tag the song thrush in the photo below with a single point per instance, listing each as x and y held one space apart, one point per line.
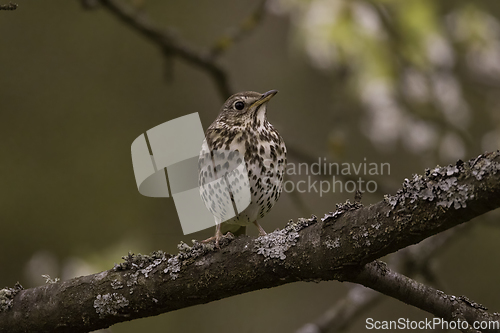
242 136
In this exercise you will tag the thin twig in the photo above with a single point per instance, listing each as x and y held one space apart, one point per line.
170 44
378 276
338 317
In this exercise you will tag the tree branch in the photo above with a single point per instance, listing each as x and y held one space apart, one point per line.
166 40
333 248
171 45
378 276
411 261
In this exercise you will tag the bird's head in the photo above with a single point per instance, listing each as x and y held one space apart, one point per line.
248 107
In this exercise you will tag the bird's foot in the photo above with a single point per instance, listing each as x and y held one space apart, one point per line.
218 236
262 232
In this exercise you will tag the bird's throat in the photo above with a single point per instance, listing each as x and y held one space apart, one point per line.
260 116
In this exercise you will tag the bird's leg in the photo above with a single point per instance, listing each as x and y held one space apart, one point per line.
218 236
262 232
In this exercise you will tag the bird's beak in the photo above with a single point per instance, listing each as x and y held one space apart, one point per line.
265 98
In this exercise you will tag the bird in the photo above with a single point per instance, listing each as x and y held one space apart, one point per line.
242 163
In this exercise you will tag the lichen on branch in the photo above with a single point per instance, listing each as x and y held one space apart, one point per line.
337 247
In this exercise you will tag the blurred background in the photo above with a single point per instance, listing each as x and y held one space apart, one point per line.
412 83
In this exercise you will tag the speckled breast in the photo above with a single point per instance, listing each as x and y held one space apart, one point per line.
241 179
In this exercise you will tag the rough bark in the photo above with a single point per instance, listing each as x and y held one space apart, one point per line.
335 247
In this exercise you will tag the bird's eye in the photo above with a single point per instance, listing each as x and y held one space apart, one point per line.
239 105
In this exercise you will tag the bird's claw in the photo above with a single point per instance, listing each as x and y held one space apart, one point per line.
218 236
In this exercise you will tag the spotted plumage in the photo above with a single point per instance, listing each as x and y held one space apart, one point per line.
242 133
